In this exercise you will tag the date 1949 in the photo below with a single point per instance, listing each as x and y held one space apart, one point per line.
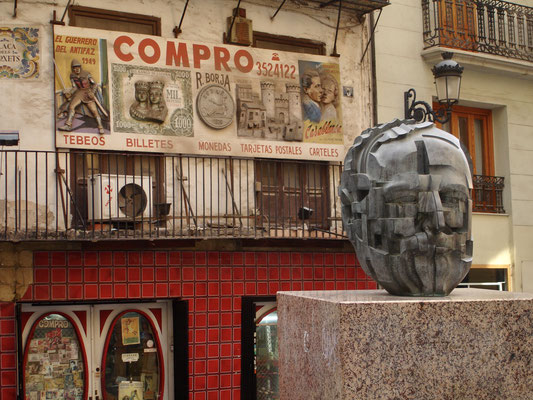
277 70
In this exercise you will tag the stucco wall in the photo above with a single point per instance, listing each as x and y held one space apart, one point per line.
491 82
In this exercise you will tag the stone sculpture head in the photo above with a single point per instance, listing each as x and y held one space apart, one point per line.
406 207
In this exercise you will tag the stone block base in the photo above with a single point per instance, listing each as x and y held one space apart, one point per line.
473 344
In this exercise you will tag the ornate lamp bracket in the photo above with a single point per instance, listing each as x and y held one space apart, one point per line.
421 111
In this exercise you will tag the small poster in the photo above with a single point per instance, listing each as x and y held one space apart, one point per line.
130 390
19 53
130 331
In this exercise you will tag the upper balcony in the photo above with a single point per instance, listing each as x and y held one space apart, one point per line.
478 28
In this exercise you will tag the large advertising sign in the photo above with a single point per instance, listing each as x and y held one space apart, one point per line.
128 92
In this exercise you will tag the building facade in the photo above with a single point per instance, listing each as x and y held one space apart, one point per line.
163 175
492 40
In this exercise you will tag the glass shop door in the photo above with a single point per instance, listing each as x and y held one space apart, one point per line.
97 352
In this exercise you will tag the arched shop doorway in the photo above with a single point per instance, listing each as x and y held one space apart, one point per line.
125 351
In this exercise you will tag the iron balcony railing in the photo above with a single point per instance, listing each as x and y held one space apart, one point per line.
96 196
488 194
487 26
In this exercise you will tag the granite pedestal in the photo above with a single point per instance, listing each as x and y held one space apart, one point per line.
473 344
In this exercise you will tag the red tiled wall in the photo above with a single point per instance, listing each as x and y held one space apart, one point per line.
212 282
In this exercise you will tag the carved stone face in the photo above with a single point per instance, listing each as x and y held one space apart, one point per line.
141 94
407 208
155 96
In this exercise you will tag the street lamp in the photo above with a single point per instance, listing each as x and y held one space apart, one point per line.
447 75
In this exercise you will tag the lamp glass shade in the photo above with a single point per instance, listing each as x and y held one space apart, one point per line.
448 87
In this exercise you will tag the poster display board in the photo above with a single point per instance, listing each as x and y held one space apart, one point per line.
129 92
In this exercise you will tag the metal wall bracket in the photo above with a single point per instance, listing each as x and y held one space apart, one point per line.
177 29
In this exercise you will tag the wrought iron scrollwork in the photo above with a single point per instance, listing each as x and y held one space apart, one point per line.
421 111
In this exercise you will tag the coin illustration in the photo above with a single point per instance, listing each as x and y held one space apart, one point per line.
215 106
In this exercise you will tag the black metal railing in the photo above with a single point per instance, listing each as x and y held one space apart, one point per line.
487 26
95 196
488 194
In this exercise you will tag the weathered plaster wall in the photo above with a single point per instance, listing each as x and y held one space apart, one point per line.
400 66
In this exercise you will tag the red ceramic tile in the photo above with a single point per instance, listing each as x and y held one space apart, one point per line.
372 285
360 274
90 275
8 394
213 273
200 258
340 259
7 309
199 384
174 289
213 258
74 258
200 335
200 367
361 285
90 259
329 259
59 292
120 290
350 273
330 285
161 258
174 274
340 273
134 274
187 273
148 290
238 288
350 285
8 361
106 291
273 273
262 273
213 319
213 335
226 304
7 343
28 296
225 258
237 303
187 258
75 292
273 258
284 258
225 382
161 290
319 272
74 275
273 288
285 273
41 259
340 285
147 274
105 274
249 258
59 259
225 394
296 273
41 275
238 273
120 274
262 288
42 292
318 259
296 259
236 381
250 289
308 285
226 288
200 305
307 259
212 366
91 291
236 349
134 258
59 275
161 274
319 285
7 327
200 320
200 289
9 378
238 258
134 290
236 337
201 273
188 289
225 365
213 304
261 258
350 259
308 273
200 351
225 349
105 258
250 273
174 258
119 258
225 333
212 383
147 258
297 286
